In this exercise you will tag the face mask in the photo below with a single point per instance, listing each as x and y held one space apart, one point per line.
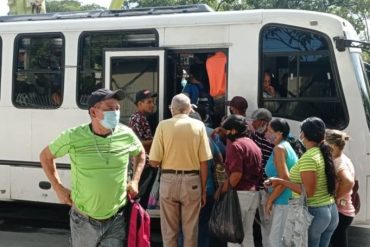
184 82
271 138
261 129
110 120
232 137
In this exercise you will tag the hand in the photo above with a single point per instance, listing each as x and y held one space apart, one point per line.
219 130
271 91
133 188
204 200
268 207
272 182
63 194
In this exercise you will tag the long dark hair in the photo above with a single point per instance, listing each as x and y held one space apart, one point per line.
314 130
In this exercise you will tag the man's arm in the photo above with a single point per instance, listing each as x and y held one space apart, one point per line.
47 160
203 180
147 144
138 163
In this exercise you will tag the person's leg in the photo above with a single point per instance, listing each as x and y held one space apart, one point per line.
83 232
334 218
279 215
190 207
265 220
169 209
249 201
204 216
114 232
320 222
340 235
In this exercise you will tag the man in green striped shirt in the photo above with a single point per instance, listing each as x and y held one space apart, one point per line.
99 152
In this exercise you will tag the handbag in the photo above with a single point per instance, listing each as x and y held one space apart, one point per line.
226 222
297 222
355 197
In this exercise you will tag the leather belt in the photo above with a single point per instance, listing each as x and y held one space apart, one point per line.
180 172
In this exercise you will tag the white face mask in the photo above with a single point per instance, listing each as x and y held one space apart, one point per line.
261 129
111 119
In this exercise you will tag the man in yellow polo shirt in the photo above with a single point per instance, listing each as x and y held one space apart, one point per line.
181 148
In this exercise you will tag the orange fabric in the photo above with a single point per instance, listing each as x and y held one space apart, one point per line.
217 73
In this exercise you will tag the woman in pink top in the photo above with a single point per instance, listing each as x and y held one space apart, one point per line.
345 173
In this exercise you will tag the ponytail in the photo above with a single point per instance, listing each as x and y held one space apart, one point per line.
329 167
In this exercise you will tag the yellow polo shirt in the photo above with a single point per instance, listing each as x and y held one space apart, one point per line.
180 143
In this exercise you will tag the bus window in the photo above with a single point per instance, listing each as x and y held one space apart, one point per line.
38 71
362 71
91 46
303 75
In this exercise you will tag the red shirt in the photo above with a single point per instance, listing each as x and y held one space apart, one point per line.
243 155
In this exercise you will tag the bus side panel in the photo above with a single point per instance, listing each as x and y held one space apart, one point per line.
243 63
27 183
4 182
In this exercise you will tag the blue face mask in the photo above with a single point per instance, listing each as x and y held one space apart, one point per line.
111 119
184 82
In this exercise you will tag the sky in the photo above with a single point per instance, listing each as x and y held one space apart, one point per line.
105 3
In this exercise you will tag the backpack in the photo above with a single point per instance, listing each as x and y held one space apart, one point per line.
297 146
139 227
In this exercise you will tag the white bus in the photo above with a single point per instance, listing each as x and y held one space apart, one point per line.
50 64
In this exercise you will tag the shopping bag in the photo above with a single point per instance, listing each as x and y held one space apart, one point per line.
297 222
153 202
226 220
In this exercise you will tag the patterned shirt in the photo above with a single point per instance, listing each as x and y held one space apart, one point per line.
140 125
266 148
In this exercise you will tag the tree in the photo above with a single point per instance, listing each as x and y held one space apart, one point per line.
69 5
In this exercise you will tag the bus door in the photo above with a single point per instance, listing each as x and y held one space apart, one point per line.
132 71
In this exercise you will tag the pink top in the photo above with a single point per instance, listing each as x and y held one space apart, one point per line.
344 163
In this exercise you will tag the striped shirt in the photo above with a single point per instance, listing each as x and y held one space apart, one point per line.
313 160
266 148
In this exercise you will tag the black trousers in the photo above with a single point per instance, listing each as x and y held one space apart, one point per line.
339 238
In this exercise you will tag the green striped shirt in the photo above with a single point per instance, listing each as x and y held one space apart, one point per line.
313 160
98 167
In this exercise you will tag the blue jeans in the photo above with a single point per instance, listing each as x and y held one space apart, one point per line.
323 225
88 232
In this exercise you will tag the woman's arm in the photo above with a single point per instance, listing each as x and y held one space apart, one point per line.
309 180
346 183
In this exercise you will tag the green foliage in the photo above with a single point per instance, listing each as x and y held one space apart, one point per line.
69 5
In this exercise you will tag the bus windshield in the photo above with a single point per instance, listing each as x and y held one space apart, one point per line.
362 75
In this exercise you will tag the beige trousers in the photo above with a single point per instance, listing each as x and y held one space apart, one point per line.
180 198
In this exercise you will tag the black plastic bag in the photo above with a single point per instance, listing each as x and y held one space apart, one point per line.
226 223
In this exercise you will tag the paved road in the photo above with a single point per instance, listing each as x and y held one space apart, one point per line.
31 234
25 225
